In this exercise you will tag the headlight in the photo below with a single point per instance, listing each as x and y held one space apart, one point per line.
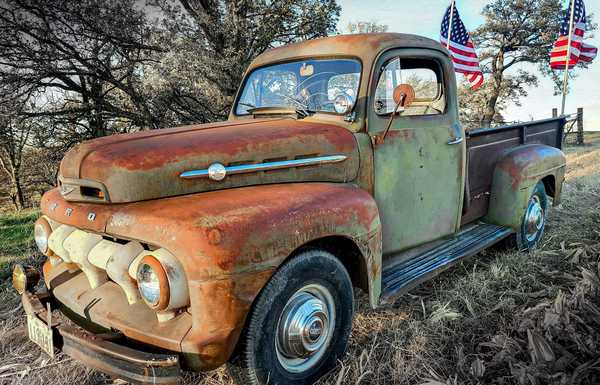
153 283
41 233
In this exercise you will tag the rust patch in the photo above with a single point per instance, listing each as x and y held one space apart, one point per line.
149 167
214 236
407 135
516 163
227 142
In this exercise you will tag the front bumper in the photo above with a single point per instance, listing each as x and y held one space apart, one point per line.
102 352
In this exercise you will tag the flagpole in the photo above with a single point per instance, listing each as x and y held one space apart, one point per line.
566 78
450 26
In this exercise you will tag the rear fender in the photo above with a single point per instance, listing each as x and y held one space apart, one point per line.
515 177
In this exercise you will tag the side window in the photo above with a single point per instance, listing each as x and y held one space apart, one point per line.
425 78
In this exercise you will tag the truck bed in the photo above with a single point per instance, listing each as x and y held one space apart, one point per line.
486 146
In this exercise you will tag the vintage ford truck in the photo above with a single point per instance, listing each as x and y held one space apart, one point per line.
343 165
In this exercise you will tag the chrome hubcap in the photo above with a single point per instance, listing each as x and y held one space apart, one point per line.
305 328
534 219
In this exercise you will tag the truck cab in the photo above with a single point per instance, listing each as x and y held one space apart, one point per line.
343 166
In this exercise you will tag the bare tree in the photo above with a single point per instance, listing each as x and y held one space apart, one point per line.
86 56
211 43
474 104
15 132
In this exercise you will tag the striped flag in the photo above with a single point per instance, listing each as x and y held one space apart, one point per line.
461 48
579 49
588 53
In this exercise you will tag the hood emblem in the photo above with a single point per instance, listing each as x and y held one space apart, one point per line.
66 189
217 171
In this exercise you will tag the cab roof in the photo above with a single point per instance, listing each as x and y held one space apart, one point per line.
365 47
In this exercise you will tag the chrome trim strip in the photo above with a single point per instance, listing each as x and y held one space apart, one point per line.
247 168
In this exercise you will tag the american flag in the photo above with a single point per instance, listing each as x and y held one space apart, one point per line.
461 48
579 49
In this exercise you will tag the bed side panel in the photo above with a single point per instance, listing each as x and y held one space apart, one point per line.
485 147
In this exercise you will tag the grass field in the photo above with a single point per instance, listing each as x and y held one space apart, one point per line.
502 317
16 238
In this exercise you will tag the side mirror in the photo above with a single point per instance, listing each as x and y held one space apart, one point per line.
404 96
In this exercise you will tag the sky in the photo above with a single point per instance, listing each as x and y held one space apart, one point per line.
424 18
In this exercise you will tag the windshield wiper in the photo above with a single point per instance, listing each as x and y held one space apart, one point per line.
304 112
247 105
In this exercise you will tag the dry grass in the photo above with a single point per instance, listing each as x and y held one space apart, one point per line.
500 318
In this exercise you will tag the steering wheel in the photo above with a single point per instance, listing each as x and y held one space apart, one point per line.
321 103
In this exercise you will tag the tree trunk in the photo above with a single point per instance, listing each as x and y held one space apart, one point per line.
498 76
490 111
97 124
17 195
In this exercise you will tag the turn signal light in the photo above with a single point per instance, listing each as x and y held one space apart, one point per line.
24 278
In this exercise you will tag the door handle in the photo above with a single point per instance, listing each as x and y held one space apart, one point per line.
458 134
456 141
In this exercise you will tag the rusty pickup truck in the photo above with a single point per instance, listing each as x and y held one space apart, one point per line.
342 166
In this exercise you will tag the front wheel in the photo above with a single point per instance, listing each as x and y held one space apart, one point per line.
534 219
299 325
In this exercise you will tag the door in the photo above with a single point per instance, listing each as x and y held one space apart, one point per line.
419 169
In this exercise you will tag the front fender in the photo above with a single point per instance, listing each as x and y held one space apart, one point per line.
232 241
515 177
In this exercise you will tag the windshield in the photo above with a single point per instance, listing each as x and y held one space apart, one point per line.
310 85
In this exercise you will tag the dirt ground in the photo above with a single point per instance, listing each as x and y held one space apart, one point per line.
501 317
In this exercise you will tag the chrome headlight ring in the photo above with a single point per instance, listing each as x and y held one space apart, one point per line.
41 234
153 283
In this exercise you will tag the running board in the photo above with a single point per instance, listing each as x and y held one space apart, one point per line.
402 276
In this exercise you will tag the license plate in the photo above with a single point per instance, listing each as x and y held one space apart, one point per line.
41 334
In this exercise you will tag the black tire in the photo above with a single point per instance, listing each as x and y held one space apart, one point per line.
531 232
258 359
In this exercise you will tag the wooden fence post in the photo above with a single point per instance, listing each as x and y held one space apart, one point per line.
555 112
580 141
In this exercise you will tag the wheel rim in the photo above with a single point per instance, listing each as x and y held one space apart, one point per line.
534 219
305 328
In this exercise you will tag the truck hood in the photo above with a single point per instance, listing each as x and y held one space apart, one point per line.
149 164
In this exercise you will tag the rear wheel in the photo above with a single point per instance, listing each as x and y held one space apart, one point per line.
534 219
299 325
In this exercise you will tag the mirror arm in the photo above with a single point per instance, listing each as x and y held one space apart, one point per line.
380 138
